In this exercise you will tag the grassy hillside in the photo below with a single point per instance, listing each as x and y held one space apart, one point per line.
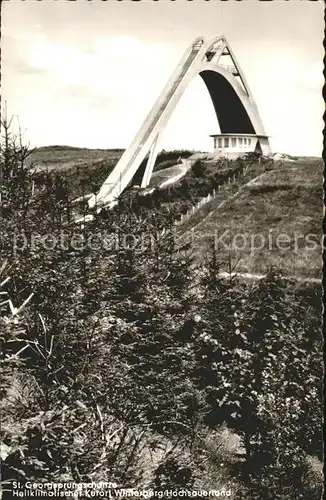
286 202
274 220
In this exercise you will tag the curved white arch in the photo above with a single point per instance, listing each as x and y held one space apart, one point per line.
245 97
201 58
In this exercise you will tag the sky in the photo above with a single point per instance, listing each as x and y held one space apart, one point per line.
87 73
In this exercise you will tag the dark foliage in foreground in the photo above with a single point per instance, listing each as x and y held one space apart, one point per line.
117 349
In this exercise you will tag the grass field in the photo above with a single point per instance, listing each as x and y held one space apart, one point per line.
275 220
86 169
62 158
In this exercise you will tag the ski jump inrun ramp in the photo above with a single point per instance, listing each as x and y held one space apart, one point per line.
233 102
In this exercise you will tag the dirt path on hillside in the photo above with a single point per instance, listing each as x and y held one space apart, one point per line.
169 175
250 276
172 180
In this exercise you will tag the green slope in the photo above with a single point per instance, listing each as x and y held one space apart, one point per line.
275 220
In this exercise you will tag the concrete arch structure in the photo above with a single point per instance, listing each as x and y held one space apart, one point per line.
234 105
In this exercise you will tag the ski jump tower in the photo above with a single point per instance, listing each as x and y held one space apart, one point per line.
233 102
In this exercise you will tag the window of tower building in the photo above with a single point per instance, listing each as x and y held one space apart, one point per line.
240 142
249 142
245 141
226 142
219 142
233 142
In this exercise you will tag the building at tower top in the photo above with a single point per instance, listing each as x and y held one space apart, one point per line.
234 145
